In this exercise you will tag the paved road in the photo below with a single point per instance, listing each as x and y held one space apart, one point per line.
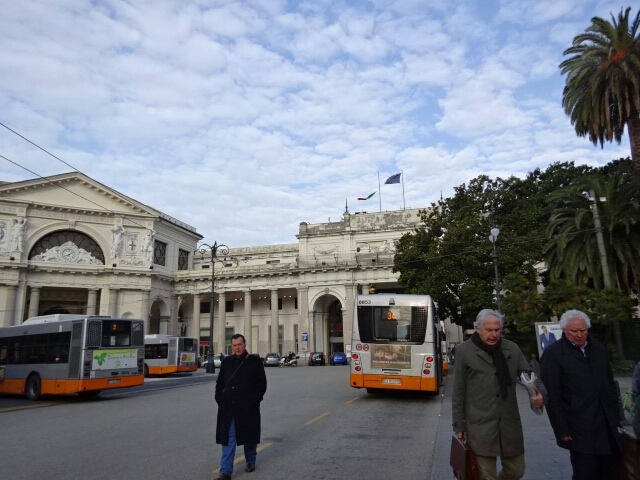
314 426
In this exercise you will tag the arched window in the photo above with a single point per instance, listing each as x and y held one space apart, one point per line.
61 237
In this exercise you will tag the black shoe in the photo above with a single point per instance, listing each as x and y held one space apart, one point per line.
250 467
223 476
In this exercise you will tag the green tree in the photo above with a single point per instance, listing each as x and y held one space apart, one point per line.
449 257
602 88
572 251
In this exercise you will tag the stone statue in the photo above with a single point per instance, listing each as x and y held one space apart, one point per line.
147 245
17 233
117 232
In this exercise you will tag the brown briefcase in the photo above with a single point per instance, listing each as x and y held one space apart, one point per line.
463 460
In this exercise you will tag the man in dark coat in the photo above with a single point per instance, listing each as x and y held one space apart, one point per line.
484 403
240 387
583 403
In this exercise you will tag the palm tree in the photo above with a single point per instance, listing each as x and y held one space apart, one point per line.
602 89
573 252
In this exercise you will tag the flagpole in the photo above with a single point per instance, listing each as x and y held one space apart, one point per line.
379 194
403 202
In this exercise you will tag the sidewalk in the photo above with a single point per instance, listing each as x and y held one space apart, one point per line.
543 458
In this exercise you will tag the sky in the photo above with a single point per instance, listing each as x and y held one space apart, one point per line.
244 118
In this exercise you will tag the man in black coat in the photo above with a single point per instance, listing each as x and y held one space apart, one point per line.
240 387
583 403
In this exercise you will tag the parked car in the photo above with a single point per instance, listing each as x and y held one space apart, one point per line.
316 358
272 360
217 361
338 358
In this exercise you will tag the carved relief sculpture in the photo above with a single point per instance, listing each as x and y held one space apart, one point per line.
67 253
17 234
117 232
147 245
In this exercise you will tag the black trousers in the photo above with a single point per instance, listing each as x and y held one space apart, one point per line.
591 467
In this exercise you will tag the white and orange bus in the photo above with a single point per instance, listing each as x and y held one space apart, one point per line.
63 354
396 344
167 354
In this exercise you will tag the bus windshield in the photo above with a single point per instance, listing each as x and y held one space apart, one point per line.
392 323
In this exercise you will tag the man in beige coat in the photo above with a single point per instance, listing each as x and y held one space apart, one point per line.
485 407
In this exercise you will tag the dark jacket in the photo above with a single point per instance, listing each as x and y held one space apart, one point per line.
583 402
238 396
491 423
635 388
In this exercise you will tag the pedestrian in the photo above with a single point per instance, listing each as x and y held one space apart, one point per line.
240 388
484 403
583 403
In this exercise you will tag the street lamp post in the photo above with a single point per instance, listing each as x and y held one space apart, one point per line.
495 231
213 249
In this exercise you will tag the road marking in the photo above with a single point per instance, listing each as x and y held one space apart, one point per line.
352 400
24 407
317 418
240 459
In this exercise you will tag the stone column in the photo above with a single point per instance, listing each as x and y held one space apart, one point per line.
173 312
195 318
91 301
34 302
303 317
10 317
247 317
347 314
144 310
113 302
274 322
221 321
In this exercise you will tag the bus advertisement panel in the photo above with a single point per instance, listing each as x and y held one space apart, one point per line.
396 343
63 354
167 354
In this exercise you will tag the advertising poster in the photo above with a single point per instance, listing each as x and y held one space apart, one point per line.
547 333
391 356
113 359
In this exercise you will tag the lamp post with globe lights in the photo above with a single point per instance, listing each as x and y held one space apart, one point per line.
493 237
213 250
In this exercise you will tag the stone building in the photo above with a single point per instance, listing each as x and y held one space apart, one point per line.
69 244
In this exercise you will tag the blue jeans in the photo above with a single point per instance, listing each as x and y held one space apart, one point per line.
229 452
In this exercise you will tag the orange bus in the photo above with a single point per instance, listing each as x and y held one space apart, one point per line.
166 354
396 344
62 354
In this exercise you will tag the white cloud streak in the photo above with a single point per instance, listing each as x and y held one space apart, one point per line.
244 118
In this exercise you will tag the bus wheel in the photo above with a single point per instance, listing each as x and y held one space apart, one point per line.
146 370
34 387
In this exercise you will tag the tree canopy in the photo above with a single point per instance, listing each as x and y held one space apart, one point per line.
546 234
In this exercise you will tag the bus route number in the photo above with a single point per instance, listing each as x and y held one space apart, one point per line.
391 316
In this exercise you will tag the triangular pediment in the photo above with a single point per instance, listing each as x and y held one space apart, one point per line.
73 192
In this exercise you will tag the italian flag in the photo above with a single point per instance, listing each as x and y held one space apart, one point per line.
360 198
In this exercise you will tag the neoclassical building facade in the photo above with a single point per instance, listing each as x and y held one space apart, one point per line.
69 244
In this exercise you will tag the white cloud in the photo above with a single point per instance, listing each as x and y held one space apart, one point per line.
244 118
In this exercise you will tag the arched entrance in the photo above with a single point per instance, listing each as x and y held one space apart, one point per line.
159 317
328 327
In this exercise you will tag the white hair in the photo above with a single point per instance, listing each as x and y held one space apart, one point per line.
486 313
574 315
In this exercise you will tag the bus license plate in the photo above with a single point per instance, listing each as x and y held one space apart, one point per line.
393 381
114 381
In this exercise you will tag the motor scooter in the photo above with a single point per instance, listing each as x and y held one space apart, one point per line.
289 361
